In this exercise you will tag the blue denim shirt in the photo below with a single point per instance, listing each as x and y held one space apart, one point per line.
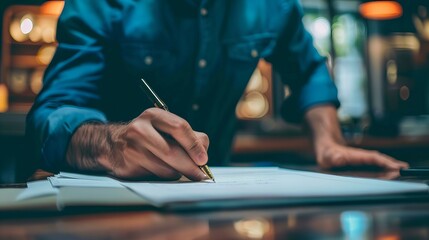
191 52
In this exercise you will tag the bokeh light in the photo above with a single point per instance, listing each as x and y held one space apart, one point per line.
36 81
15 31
45 54
26 24
381 10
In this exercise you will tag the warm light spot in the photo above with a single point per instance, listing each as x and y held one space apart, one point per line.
52 8
381 10
252 228
255 82
389 237
26 25
404 93
15 32
3 98
36 34
253 105
287 91
36 81
392 72
45 54
18 81
48 35
258 82
407 41
291 221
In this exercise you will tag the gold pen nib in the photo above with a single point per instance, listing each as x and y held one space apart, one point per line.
207 172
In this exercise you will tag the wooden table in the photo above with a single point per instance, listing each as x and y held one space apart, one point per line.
384 221
392 221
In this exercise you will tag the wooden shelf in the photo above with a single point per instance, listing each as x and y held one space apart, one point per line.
26 61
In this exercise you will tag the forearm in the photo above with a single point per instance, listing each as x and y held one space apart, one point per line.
93 147
324 125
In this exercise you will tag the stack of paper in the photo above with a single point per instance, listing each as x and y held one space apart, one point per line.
268 185
64 179
234 186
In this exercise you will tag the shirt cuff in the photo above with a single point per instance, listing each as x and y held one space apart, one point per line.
59 128
319 90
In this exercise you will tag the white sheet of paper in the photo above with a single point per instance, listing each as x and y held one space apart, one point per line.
37 189
237 183
72 182
84 177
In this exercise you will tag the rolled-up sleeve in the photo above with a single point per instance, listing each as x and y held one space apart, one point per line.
301 68
71 86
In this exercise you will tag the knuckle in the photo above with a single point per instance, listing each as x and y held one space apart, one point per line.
195 145
197 150
180 125
134 131
337 159
205 139
149 113
132 127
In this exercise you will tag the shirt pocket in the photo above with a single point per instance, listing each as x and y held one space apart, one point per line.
250 48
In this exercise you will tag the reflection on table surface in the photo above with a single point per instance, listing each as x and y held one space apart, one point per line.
382 221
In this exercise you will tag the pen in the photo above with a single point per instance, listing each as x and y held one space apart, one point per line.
153 97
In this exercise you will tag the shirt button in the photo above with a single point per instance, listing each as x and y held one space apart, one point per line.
254 53
202 63
148 60
195 107
203 12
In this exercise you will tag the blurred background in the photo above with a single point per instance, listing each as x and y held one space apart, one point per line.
378 53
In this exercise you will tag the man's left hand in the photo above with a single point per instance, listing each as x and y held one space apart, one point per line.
330 147
336 155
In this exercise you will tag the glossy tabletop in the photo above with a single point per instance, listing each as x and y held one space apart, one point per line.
383 221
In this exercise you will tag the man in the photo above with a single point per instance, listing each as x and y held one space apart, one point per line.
198 56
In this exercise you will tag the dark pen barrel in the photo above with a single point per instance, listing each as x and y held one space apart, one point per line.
152 95
160 104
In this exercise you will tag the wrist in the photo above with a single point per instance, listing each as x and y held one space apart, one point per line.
111 157
325 127
322 143
93 147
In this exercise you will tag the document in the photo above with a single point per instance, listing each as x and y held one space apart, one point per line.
234 188
66 179
270 183
37 189
70 182
85 177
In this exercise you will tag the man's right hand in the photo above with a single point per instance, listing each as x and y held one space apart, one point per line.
155 145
